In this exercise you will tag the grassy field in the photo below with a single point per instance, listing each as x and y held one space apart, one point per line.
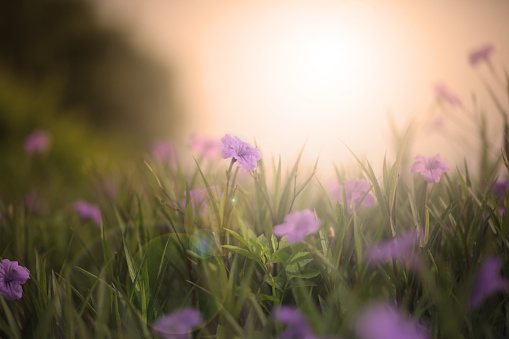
143 245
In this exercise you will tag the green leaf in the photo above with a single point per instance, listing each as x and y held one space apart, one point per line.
10 319
275 244
298 257
307 273
279 256
297 267
211 195
264 297
237 236
244 252
297 283
264 243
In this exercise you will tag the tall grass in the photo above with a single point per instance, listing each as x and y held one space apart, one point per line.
156 250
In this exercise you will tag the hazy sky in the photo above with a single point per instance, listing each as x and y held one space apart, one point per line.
284 71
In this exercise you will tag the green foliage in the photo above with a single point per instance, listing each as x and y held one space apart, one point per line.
98 73
145 260
157 250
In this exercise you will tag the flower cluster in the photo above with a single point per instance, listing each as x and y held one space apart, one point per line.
12 276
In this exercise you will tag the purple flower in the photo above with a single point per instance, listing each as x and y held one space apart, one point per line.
501 212
481 54
178 324
499 188
383 321
198 198
444 93
298 326
207 147
297 225
88 211
488 281
397 248
437 125
164 151
33 202
355 190
37 142
107 187
246 156
431 168
12 276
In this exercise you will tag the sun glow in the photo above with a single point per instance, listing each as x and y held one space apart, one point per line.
322 62
291 72
288 71
316 63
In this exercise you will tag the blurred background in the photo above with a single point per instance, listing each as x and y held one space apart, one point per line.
117 75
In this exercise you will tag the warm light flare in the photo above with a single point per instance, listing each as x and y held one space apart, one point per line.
305 74
319 65
322 70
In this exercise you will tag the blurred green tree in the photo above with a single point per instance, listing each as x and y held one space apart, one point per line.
99 73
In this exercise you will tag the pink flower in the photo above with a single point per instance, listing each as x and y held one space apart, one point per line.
298 326
244 154
355 190
107 187
499 188
431 168
178 324
444 93
12 276
436 125
481 54
198 199
207 147
164 151
33 202
501 212
88 211
397 248
297 225
37 142
488 281
384 321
